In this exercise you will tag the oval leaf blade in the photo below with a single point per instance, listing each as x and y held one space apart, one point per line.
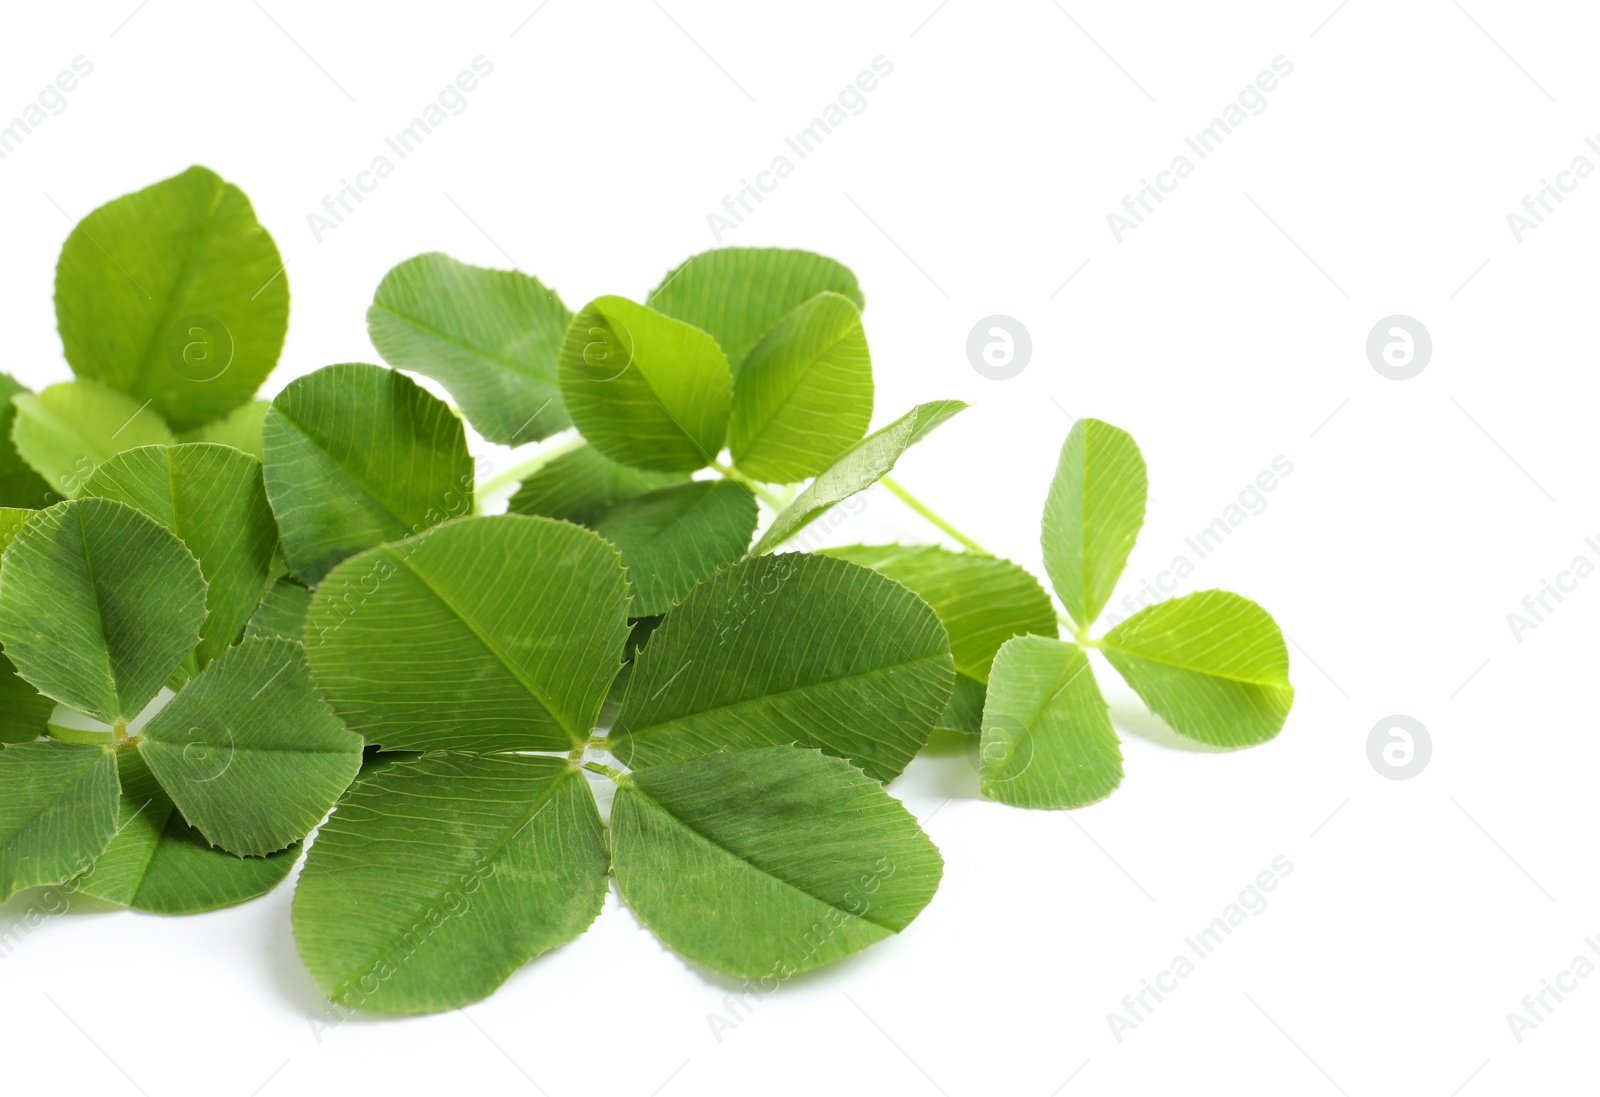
356 456
249 751
20 485
768 862
67 430
645 390
789 649
211 498
174 294
1212 665
158 863
1047 737
672 538
489 633
584 484
58 809
982 601
1092 516
737 294
490 337
804 395
98 606
398 921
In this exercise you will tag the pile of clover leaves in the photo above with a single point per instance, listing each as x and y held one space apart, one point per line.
222 618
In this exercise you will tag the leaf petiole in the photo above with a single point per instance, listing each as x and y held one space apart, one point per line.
601 768
524 469
923 509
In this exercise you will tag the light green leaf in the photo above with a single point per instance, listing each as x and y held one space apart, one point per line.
491 337
98 606
1047 738
434 880
159 863
249 751
737 294
674 537
804 395
1092 516
584 484
486 634
212 499
789 649
24 711
1211 664
982 602
58 809
240 428
357 456
282 612
644 389
67 430
20 486
867 462
176 295
768 862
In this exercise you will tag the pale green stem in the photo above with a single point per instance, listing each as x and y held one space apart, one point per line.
760 491
520 472
615 774
922 508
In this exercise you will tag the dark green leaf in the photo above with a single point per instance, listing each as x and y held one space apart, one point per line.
768 862
20 486
159 863
282 612
491 337
982 601
249 751
434 880
212 499
486 634
358 456
58 809
789 649
584 484
174 294
674 537
98 606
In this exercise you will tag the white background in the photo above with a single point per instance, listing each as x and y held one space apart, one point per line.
1227 330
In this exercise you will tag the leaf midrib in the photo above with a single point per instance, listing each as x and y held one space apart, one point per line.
1109 645
688 828
518 672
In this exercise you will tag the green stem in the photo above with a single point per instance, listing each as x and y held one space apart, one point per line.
923 509
615 774
760 491
521 471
